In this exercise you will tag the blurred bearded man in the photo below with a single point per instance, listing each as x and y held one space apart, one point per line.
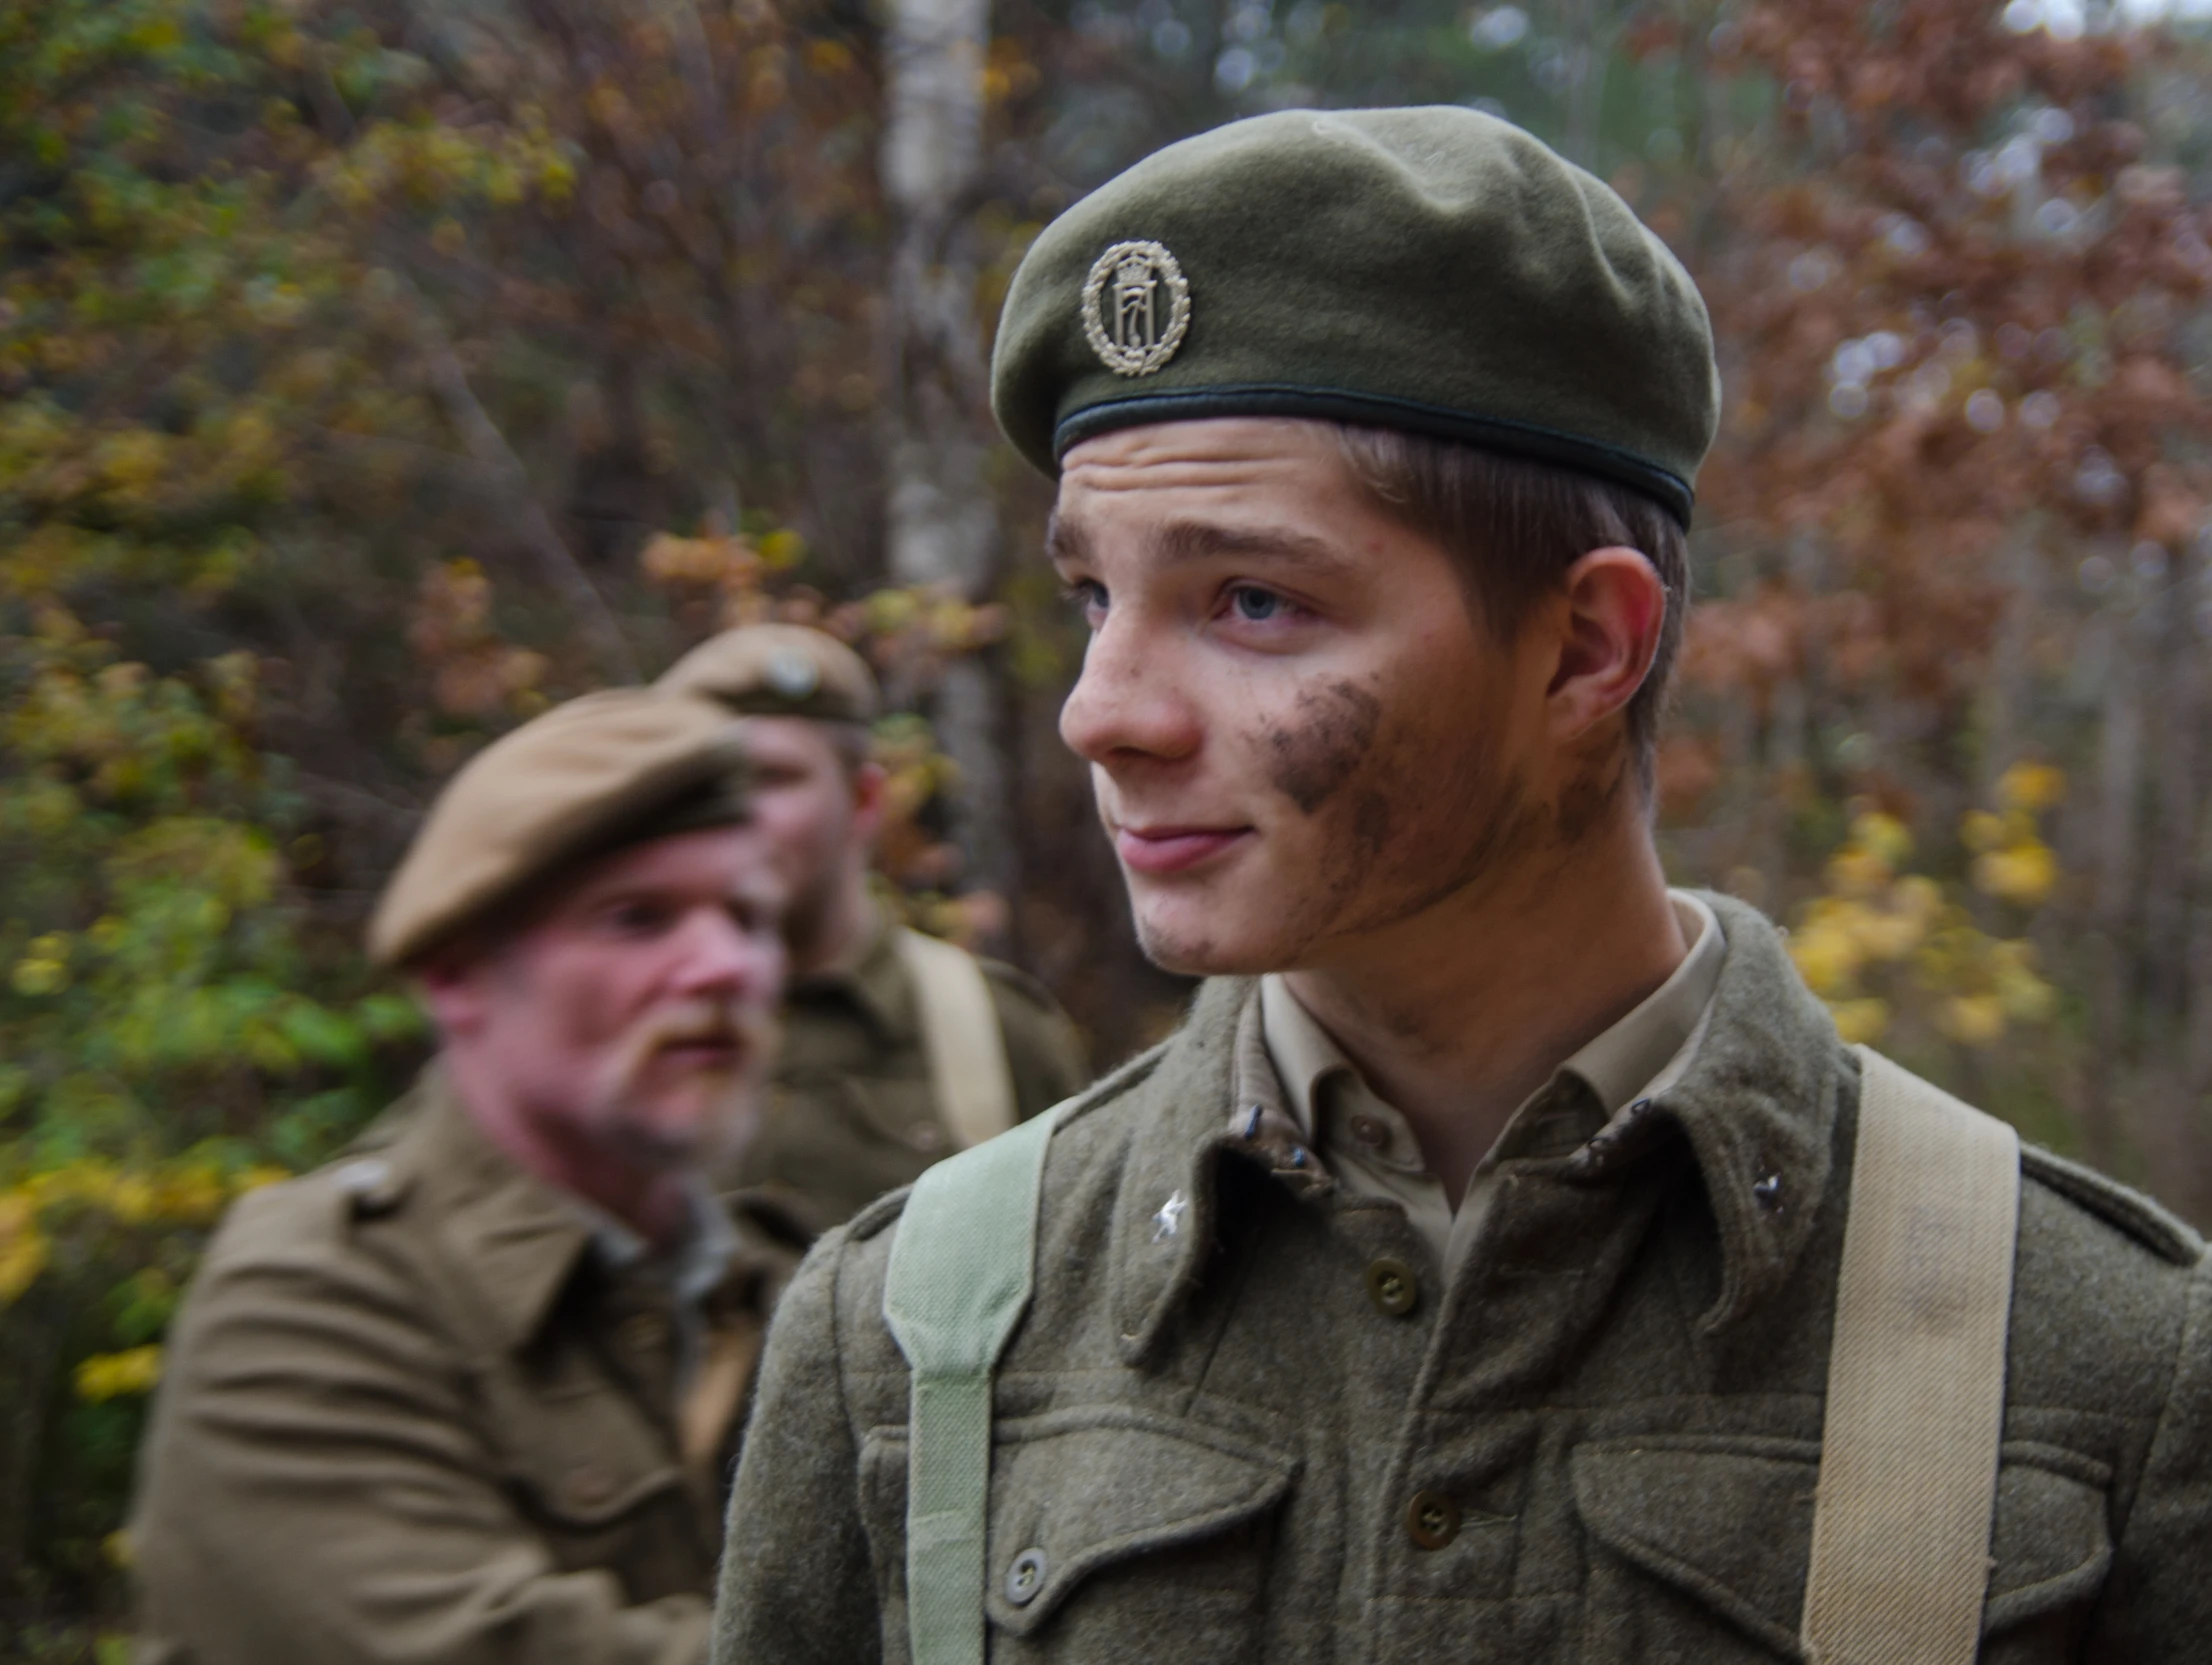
471 1393
898 1049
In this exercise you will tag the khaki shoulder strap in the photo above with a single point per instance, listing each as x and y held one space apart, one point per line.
1916 1380
960 1034
961 1271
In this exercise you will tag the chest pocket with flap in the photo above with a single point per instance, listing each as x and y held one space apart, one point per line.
1110 1529
1702 1543
590 1470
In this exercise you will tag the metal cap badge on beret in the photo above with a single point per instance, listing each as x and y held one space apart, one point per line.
1431 269
583 778
779 670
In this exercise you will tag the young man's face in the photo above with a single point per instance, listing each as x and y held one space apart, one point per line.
635 1012
814 813
1298 734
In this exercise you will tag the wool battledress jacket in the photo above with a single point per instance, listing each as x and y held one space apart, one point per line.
852 1114
1594 1440
413 1414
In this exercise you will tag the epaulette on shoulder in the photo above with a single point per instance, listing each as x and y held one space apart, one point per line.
2117 1205
1115 1082
371 1185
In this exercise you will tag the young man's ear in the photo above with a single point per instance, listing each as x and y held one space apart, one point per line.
1615 606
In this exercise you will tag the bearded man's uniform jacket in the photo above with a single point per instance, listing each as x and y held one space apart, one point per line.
412 1413
1210 1435
852 1114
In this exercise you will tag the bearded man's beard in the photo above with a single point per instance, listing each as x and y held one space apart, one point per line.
635 1082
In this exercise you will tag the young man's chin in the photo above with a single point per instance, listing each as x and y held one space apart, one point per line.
1204 941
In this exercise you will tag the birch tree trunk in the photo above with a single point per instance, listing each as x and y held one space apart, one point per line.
2120 785
943 526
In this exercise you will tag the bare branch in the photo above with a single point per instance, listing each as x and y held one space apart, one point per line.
488 446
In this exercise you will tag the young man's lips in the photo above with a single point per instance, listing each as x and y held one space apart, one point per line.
1172 849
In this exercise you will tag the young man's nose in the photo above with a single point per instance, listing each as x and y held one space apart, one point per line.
1129 701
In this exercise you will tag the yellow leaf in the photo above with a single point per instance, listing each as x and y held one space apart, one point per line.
1860 1022
2031 786
1982 830
118 1375
1827 955
2025 873
23 1247
1973 1019
1883 837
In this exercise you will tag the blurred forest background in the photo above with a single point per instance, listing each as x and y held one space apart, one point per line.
373 372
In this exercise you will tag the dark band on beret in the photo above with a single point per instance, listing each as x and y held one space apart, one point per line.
1326 404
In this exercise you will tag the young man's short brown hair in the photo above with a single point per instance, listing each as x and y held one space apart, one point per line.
1516 527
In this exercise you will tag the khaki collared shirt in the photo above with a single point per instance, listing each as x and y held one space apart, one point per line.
1366 1143
688 1272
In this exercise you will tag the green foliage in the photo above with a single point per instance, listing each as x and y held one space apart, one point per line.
171 1036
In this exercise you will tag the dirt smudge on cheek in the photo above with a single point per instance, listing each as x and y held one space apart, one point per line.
1335 729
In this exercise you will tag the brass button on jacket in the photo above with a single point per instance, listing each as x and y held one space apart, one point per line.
1392 1286
1432 1519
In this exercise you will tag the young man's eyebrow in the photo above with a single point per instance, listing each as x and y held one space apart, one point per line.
1065 540
1193 540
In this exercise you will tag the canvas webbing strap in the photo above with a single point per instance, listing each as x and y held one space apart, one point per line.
960 1033
958 1282
1916 1381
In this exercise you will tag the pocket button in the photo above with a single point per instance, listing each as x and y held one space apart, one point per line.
1432 1519
1025 1577
1392 1286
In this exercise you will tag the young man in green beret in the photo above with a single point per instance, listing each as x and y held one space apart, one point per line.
898 1049
1506 1261
469 1394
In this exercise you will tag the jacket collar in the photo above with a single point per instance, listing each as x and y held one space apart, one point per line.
1757 1105
875 984
513 1242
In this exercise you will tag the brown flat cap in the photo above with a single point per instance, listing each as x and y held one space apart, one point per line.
779 670
585 778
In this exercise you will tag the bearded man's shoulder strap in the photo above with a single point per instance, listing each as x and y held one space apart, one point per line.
1916 1380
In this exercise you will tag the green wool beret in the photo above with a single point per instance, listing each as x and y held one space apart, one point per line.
1431 269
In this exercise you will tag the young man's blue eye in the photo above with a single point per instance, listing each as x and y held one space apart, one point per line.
1257 605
